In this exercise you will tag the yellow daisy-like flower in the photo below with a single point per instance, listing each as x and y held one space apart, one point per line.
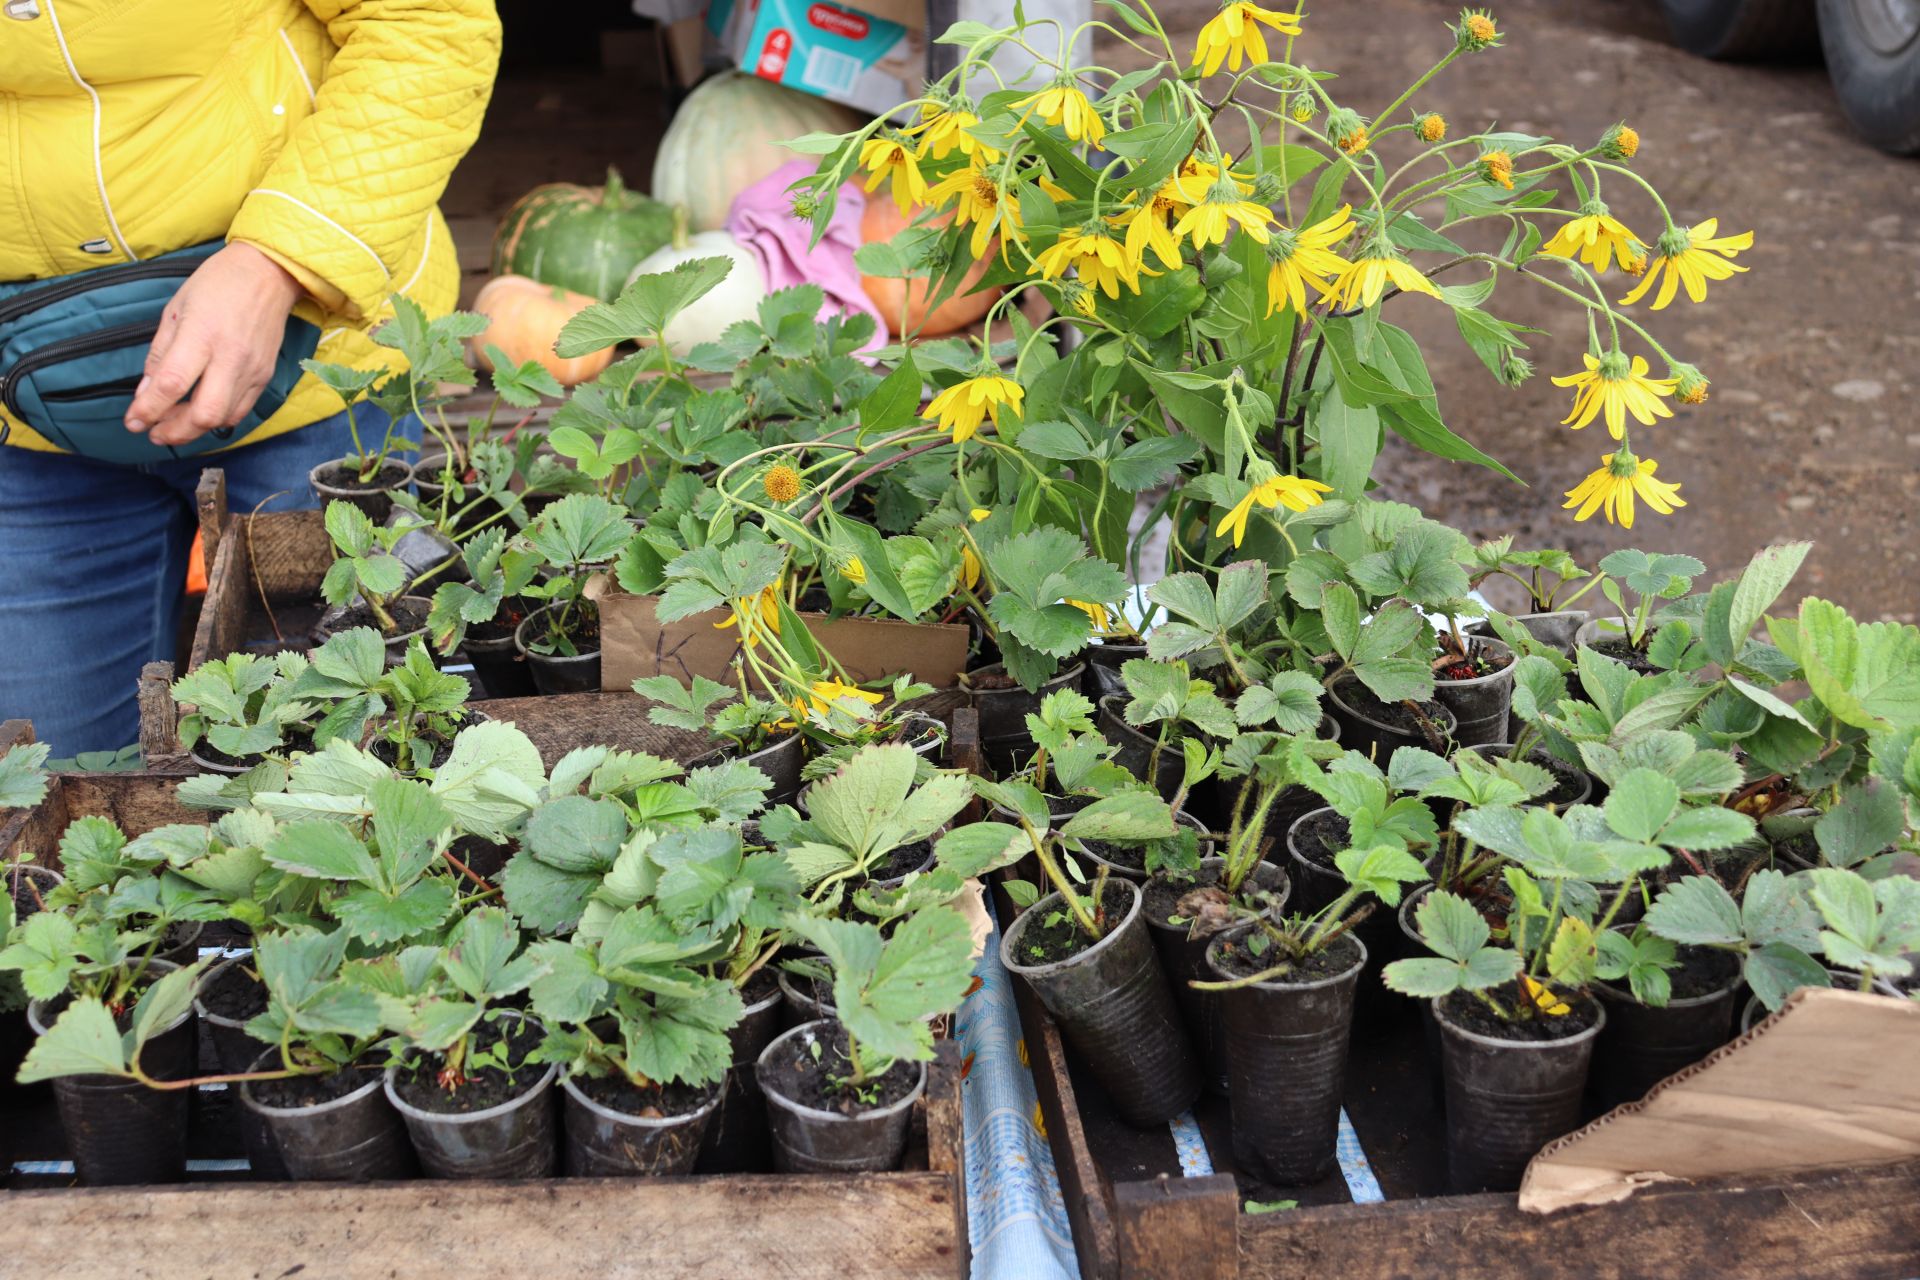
1691 257
1296 493
944 129
891 157
1063 104
828 692
781 483
961 407
1296 259
1102 261
1363 280
1613 384
1098 614
853 570
1225 204
1596 237
981 200
1234 33
1149 226
1613 487
766 601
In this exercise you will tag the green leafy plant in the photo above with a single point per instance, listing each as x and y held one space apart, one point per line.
1651 578
573 538
745 725
245 704
364 565
437 997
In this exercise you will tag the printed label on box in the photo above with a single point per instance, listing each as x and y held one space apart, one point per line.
834 51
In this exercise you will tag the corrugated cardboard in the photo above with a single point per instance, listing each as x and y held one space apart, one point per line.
1832 1079
633 643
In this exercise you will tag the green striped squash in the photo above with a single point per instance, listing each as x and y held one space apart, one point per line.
722 141
586 239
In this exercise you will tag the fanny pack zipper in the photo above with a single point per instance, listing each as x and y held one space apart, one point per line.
85 281
88 344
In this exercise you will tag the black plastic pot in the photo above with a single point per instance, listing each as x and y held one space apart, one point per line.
809 1140
1003 712
799 1005
339 619
1286 1051
1136 874
553 673
1315 886
395 474
1103 668
780 762
605 1143
736 1139
513 1140
120 1132
1136 749
1479 705
503 670
1183 959
1114 1006
235 1051
1378 740
1641 1045
1506 1099
1557 630
357 1137
22 880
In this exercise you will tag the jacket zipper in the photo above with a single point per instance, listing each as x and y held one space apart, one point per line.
87 344
85 281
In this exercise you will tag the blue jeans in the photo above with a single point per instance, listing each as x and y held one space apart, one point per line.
93 557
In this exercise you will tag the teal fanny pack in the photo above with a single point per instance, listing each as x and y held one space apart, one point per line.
73 348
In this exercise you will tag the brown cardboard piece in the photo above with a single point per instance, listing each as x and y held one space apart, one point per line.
1831 1079
633 643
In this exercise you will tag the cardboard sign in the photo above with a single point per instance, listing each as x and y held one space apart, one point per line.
633 644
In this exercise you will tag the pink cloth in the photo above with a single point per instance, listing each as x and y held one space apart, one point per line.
762 220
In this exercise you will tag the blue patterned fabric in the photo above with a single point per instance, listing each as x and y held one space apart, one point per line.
1016 1216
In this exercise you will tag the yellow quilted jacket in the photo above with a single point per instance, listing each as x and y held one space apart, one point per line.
320 131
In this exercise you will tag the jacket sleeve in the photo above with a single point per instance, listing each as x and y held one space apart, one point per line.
398 107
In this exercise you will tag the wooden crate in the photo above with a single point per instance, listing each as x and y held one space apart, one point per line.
1135 1217
910 1223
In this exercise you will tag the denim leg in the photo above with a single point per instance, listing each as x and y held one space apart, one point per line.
92 557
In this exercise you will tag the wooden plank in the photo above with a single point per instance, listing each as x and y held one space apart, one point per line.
1178 1228
223 615
134 802
946 1137
1849 1224
210 500
797 1227
159 719
32 835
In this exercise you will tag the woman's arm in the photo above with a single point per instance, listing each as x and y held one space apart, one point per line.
398 107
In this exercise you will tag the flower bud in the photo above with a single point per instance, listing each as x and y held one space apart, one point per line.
1431 127
1475 31
1303 110
1622 142
1691 385
805 205
1516 370
1267 188
1347 129
1497 167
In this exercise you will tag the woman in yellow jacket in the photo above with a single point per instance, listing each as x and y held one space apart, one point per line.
313 138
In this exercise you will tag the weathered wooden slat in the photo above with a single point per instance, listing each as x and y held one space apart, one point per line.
223 614
1847 1224
1178 1228
897 1226
159 719
134 802
210 501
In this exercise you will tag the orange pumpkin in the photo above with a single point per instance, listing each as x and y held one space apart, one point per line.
524 317
904 302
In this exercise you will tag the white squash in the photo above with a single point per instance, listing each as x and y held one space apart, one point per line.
722 141
735 298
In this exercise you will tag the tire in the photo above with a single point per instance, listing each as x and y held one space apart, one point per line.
1743 30
1873 54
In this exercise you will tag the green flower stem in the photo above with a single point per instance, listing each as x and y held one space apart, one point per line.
1419 84
1644 186
1051 868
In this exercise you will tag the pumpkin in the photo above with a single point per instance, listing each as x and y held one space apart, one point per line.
722 141
904 302
735 298
581 238
524 317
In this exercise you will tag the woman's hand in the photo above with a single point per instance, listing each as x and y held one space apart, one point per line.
223 331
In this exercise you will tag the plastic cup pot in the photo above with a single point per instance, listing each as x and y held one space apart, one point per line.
605 1140
354 1136
809 1139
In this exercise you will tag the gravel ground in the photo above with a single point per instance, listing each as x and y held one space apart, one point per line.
1814 353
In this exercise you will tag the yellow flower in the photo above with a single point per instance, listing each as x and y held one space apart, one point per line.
1063 104
1296 493
1354 140
766 601
1497 167
781 483
1363 280
1207 221
1234 33
1596 237
1620 388
884 157
1690 385
1148 227
1542 995
1476 31
981 200
1691 257
828 692
1297 259
853 570
1098 614
1622 142
943 129
961 406
978 514
1101 260
1612 488
1432 127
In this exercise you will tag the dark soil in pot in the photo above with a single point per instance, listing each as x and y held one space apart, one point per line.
821 1127
1642 1046
1311 845
1377 729
340 480
1474 1016
1004 703
805 999
386 752
780 761
409 614
1477 688
1620 650
482 856
335 1127
736 1139
555 673
488 1087
618 1129
214 760
1130 859
1285 1042
180 944
492 1125
229 995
